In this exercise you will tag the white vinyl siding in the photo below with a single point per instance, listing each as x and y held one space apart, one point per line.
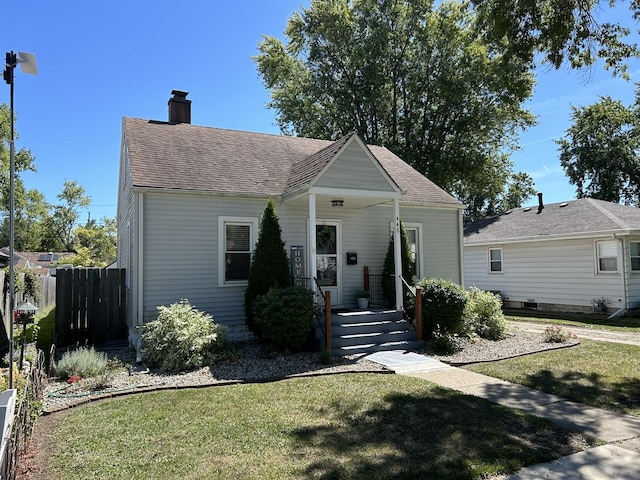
354 169
553 272
607 253
495 260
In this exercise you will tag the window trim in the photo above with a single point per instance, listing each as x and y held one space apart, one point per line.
489 261
223 221
632 257
599 271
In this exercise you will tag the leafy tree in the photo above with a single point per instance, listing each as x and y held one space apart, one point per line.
561 31
65 215
418 80
94 244
269 265
24 161
389 270
599 153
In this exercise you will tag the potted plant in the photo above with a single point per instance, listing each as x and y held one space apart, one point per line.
363 296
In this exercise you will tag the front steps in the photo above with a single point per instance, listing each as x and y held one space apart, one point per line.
364 332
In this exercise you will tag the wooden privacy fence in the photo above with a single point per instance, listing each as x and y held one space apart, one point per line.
90 305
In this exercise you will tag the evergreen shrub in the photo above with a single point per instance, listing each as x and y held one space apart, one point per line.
284 316
269 264
443 304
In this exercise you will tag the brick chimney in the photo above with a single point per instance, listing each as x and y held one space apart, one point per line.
179 107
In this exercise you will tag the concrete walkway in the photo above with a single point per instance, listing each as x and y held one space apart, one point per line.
619 459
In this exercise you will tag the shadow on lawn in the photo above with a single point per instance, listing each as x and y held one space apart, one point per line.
439 434
590 389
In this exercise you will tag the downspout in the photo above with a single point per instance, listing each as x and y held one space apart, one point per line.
312 241
140 287
397 255
625 304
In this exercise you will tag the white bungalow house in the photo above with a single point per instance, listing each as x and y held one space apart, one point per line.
576 256
190 200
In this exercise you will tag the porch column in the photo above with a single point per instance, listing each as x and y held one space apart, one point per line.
397 252
312 241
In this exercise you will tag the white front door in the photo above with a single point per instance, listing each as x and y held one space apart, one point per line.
329 259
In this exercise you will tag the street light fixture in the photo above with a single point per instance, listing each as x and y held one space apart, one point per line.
27 62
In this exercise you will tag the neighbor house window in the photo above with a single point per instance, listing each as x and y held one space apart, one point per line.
237 238
607 256
495 260
635 256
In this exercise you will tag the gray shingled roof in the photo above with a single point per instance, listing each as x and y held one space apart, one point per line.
583 216
195 158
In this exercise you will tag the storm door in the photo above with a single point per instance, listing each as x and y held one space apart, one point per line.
328 259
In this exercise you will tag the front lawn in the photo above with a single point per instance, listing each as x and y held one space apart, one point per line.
331 427
600 322
601 374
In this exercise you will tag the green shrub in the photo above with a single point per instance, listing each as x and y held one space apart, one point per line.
269 264
284 316
483 315
82 362
443 303
181 338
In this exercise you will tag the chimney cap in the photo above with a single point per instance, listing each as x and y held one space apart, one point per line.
179 93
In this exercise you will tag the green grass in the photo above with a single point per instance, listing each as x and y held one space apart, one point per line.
331 427
601 374
624 324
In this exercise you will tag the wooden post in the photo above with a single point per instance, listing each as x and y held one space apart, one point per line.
327 319
366 278
419 313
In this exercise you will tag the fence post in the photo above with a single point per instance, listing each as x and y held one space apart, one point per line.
366 278
419 313
327 319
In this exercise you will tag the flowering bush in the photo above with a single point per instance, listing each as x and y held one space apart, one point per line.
181 338
483 315
556 334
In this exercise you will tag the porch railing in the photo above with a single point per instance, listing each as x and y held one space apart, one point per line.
416 293
373 284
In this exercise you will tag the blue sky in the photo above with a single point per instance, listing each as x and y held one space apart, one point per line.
100 61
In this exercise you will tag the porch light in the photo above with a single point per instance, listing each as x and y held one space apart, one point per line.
337 203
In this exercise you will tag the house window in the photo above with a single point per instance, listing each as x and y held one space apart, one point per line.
237 239
414 240
607 256
495 260
635 256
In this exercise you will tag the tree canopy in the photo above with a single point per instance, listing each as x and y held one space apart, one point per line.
559 31
600 150
420 80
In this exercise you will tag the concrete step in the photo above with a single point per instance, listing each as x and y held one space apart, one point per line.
371 331
377 347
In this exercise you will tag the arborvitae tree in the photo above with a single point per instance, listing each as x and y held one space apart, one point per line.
388 271
269 265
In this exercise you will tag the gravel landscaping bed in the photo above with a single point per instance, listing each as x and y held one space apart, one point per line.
251 363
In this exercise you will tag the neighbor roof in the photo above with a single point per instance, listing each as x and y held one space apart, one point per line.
190 157
583 216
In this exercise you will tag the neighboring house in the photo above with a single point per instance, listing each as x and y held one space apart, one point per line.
191 198
41 263
582 256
